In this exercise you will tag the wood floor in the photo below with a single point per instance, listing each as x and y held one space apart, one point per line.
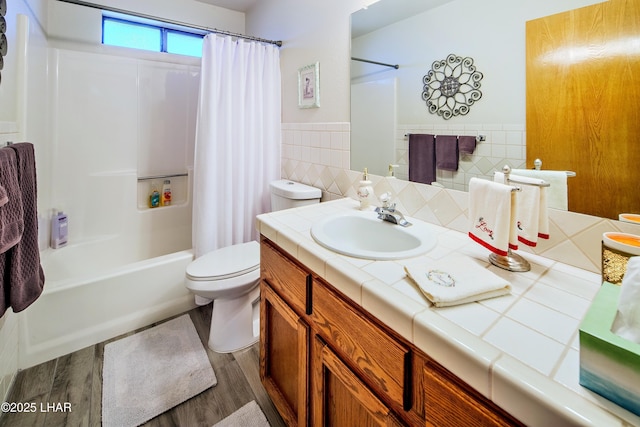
77 378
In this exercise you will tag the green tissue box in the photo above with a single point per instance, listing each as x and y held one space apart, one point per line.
609 364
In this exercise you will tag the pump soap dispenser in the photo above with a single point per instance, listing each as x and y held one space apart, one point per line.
365 192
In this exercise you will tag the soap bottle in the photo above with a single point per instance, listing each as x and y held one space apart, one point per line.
166 193
59 229
365 191
154 198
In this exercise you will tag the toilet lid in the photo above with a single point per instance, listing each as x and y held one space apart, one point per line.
227 262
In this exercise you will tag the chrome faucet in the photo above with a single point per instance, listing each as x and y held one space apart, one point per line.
388 212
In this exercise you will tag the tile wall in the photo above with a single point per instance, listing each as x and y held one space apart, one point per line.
318 154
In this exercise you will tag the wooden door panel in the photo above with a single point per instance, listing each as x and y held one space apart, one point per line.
582 89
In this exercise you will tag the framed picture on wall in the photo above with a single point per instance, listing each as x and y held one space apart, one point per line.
309 86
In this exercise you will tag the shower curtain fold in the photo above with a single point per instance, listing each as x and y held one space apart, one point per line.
237 149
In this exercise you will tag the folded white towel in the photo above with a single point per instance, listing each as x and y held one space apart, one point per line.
456 281
532 218
491 215
557 193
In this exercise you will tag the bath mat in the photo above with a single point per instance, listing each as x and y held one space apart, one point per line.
249 415
148 373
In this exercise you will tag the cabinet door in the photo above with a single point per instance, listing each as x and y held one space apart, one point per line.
339 398
284 357
449 404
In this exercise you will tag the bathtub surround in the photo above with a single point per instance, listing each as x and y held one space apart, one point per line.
237 152
176 368
110 294
575 239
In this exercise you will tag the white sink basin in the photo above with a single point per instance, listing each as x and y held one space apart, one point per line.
363 235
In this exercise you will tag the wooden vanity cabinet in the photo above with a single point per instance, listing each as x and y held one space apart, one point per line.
284 335
327 362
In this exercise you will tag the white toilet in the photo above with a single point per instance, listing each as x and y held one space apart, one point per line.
230 277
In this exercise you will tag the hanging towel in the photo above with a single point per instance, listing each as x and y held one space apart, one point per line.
557 193
456 281
467 144
513 225
491 215
543 221
11 213
422 158
4 197
22 280
447 152
532 216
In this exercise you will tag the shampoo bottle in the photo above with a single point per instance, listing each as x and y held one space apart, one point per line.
166 193
365 191
59 229
154 198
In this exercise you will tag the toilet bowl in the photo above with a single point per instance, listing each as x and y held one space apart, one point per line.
230 277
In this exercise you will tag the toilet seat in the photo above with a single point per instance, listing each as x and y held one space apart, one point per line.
226 263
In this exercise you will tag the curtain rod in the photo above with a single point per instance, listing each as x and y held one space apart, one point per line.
396 66
169 21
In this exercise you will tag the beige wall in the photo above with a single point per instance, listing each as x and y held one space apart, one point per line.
310 31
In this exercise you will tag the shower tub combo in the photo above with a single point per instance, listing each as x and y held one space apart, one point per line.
98 289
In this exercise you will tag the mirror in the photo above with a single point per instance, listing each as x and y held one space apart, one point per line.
387 104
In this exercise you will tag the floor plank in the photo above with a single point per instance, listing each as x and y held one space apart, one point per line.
70 398
76 379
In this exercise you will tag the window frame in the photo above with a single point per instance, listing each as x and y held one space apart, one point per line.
164 30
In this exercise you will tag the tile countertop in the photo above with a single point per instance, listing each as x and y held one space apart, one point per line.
519 350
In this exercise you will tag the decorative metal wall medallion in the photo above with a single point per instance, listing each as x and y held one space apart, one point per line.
451 86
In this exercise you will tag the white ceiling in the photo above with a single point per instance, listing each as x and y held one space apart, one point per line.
387 12
375 16
238 5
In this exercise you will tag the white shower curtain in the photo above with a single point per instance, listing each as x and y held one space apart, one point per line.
237 151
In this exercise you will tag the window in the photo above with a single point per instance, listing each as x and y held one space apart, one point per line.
157 38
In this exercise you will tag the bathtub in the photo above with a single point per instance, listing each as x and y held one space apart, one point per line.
97 290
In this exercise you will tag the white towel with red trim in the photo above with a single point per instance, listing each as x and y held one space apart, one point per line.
492 215
532 218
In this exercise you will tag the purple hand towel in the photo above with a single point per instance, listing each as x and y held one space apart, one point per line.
11 213
22 278
422 158
467 144
447 152
4 197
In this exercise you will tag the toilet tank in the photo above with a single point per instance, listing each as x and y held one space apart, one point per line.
287 194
